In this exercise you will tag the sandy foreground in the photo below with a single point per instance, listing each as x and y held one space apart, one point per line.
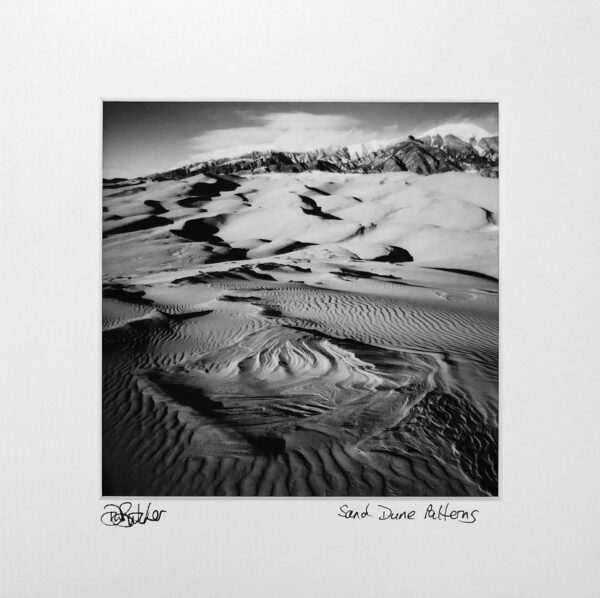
308 334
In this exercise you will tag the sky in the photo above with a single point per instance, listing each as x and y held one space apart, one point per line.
142 138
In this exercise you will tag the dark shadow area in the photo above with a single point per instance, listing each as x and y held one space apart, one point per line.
199 193
187 396
273 266
395 256
316 190
467 273
196 399
119 292
239 273
220 185
314 210
204 278
144 224
260 275
293 247
232 254
192 202
239 299
489 216
243 197
200 230
271 312
157 207
186 316
268 444
372 276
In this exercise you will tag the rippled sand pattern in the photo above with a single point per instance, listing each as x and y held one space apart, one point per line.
289 375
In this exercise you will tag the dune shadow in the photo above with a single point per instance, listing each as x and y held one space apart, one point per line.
194 398
317 190
120 293
314 210
138 225
200 193
199 230
467 273
396 255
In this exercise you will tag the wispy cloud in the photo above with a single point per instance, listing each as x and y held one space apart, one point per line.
284 131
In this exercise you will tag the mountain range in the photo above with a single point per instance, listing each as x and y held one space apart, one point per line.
435 151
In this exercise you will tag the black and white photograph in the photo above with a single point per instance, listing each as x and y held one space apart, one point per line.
300 299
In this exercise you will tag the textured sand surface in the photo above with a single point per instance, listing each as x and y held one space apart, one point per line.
306 334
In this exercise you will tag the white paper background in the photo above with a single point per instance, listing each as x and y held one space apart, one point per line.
538 58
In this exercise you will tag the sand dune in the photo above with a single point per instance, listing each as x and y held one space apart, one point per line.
305 334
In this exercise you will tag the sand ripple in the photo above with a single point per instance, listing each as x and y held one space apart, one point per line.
286 411
289 354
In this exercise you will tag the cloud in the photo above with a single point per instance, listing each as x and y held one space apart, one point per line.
284 131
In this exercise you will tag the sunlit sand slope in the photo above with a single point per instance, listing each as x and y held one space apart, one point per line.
304 335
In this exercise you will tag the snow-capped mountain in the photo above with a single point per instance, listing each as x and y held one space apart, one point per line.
450 147
464 131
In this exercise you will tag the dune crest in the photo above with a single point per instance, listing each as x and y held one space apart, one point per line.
310 334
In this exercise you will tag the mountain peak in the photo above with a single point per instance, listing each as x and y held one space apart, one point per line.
463 131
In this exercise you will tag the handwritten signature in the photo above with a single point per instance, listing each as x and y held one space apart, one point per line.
123 515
